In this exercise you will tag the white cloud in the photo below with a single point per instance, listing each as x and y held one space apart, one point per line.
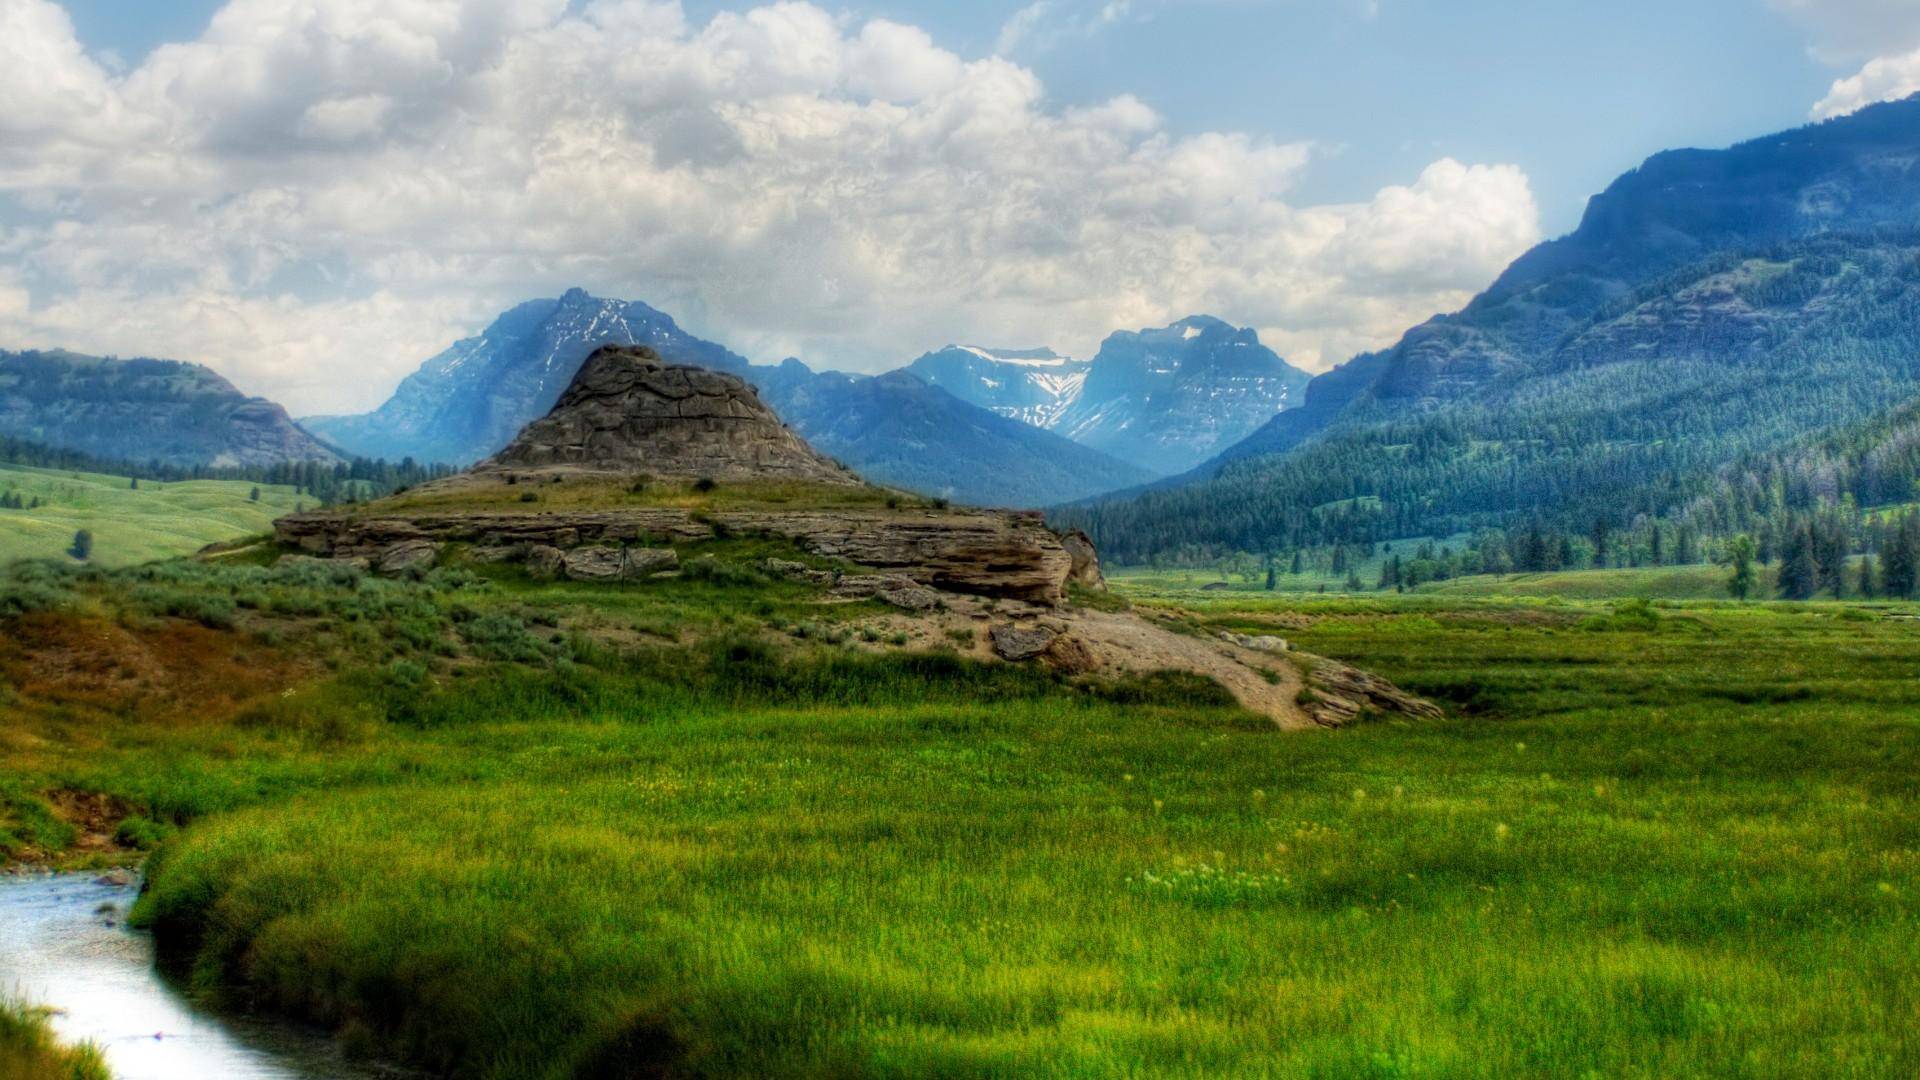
1885 79
318 194
1846 32
1879 38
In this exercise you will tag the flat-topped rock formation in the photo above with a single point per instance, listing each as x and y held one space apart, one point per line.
629 411
985 553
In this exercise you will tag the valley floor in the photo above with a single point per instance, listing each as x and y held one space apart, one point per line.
505 829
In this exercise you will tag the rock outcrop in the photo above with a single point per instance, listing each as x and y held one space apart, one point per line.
1086 561
629 411
983 553
1340 695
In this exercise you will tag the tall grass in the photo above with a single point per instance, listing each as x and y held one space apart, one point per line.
29 1051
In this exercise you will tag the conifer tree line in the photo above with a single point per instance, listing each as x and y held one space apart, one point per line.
328 484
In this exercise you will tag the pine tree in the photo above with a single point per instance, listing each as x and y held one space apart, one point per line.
1298 566
82 548
1897 568
1354 584
1869 584
1741 583
254 495
1799 572
1272 582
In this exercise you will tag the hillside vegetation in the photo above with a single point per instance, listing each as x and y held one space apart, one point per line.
130 524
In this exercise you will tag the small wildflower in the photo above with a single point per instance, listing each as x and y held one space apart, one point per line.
1520 746
1359 793
1158 805
1127 777
1501 831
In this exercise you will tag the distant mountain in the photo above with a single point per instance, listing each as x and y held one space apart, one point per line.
144 410
1711 304
472 399
898 430
1033 386
1164 400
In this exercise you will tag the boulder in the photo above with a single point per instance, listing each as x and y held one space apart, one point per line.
1017 643
801 572
408 557
1069 655
545 561
1342 694
594 564
641 562
909 596
1085 570
1256 642
901 592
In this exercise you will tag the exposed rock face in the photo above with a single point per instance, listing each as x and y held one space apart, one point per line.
630 411
987 554
594 564
1341 694
408 557
1086 561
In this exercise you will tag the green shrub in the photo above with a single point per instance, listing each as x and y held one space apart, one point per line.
503 637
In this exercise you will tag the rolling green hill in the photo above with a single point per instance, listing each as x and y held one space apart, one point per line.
130 525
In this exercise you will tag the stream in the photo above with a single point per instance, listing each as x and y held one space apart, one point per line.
64 943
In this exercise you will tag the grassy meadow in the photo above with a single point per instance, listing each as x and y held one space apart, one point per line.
705 827
130 525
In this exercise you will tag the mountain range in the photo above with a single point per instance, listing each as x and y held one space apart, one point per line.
470 400
1710 304
145 410
1165 399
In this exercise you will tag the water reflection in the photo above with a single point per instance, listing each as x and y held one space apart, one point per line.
63 943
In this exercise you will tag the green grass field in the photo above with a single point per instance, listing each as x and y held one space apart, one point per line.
129 526
1647 842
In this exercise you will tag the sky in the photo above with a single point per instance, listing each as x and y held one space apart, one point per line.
314 196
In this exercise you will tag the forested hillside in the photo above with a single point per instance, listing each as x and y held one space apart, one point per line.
1712 306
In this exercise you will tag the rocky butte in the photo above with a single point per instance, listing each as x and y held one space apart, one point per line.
640 456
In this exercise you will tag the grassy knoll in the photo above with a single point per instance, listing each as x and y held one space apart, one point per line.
501 830
130 525
29 1051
